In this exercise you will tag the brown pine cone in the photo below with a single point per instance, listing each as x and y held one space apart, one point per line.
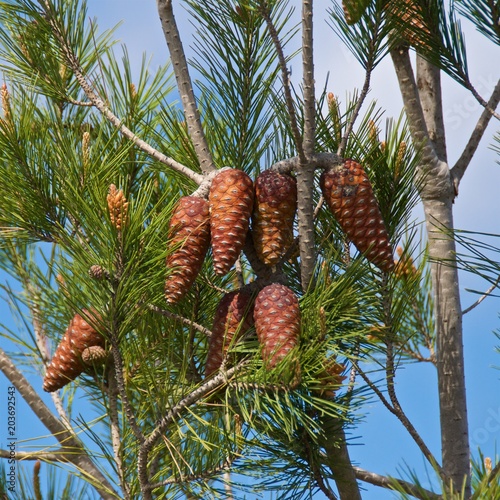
409 12
277 322
354 9
67 362
273 214
233 316
349 195
95 356
231 201
189 234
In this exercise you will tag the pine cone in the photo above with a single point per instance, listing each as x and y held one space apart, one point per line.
349 195
233 316
409 11
231 201
98 272
354 9
95 355
277 322
189 234
273 214
67 362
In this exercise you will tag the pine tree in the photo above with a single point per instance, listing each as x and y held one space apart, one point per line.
110 189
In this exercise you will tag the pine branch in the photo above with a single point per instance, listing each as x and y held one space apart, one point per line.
355 112
485 294
183 320
318 160
184 85
114 424
305 173
96 100
398 412
73 448
386 482
308 78
458 170
285 77
335 445
44 456
174 412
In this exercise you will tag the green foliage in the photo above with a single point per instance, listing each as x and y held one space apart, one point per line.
64 252
484 14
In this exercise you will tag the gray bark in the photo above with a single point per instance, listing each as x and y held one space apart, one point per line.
437 194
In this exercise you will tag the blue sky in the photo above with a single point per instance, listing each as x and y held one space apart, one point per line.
382 445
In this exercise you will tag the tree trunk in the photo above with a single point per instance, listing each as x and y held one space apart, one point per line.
437 193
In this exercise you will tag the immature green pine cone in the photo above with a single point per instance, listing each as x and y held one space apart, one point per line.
277 322
273 213
233 317
189 235
231 201
67 364
349 195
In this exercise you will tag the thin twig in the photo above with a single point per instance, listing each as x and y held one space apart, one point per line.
316 470
398 411
207 474
486 294
114 423
480 100
458 170
285 76
386 482
180 318
355 112
104 109
184 85
120 382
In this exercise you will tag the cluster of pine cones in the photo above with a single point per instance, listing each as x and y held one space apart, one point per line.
223 222
270 204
